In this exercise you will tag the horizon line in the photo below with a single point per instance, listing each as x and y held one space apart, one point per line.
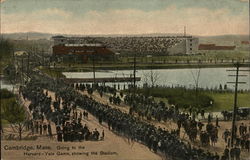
106 34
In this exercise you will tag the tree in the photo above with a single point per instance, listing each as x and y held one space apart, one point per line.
15 115
196 78
154 77
151 78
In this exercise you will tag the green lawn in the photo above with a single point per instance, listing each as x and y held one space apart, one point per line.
225 101
205 55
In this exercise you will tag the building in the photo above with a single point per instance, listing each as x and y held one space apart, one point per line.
77 46
187 45
214 47
245 42
81 49
143 45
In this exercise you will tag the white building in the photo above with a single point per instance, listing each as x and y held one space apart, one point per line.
188 45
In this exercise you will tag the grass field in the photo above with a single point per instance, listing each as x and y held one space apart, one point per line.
223 101
203 56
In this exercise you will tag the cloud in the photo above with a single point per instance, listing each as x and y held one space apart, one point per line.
199 21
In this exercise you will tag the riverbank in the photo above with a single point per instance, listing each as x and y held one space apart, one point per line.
130 66
221 100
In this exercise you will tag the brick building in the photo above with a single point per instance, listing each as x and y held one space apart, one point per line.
214 47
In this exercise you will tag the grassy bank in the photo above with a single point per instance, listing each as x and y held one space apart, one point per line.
225 101
203 56
221 100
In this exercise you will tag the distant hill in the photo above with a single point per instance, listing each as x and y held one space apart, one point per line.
29 36
220 40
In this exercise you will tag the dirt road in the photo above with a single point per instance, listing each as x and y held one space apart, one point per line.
113 147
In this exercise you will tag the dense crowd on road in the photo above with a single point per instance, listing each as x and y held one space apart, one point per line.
156 139
146 107
64 115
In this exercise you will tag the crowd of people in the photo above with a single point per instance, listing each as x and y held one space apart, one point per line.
147 107
242 136
207 132
145 45
132 127
64 115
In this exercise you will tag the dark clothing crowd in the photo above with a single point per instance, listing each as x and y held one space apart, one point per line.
61 112
127 125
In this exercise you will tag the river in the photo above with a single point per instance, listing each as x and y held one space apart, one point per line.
208 77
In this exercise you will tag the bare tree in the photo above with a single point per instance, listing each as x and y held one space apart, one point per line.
151 78
196 78
145 78
154 77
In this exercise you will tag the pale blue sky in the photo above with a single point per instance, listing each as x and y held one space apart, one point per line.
203 17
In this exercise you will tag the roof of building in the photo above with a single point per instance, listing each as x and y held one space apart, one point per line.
81 50
214 47
58 37
245 42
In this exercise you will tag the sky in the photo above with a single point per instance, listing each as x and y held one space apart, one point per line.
201 17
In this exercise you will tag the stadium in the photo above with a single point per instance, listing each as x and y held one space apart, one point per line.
168 45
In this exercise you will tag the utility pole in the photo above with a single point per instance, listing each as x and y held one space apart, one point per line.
235 104
93 60
235 107
22 71
28 64
134 73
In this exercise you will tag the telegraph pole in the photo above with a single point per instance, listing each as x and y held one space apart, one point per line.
22 77
134 72
235 107
235 104
28 64
93 60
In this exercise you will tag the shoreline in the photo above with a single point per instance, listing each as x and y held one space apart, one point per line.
142 67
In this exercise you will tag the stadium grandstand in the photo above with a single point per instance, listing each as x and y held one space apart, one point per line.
167 45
